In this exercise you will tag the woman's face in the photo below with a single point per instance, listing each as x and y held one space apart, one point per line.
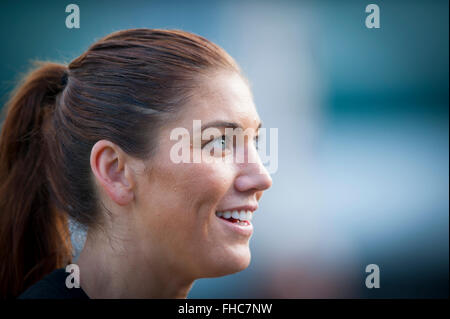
177 204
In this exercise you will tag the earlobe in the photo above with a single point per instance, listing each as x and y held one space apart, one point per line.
111 172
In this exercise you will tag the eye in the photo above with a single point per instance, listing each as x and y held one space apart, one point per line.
221 143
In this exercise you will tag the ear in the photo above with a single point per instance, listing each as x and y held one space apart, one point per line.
108 163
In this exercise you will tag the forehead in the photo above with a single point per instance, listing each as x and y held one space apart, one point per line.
222 96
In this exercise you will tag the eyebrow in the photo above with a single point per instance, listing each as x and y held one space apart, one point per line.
225 124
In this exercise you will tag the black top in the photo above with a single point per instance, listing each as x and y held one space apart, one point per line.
53 286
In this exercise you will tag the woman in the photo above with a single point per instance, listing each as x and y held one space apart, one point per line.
93 141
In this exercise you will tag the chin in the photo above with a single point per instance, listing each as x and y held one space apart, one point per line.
235 260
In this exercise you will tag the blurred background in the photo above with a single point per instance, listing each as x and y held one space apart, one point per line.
363 128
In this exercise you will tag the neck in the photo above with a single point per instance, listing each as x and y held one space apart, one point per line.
111 270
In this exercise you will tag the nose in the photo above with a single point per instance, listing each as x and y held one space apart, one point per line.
252 174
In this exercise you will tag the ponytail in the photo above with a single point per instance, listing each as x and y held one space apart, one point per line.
34 238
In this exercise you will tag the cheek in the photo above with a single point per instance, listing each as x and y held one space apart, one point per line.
181 198
209 182
178 211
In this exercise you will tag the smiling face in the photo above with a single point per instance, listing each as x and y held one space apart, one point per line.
178 204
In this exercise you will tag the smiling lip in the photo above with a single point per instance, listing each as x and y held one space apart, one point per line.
230 223
245 230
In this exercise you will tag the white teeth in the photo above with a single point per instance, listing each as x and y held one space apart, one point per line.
240 215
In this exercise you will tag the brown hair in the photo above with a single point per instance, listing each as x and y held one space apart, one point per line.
120 89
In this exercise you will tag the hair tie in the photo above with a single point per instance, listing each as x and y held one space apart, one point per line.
64 79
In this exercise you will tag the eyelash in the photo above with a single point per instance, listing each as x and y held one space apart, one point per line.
224 138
